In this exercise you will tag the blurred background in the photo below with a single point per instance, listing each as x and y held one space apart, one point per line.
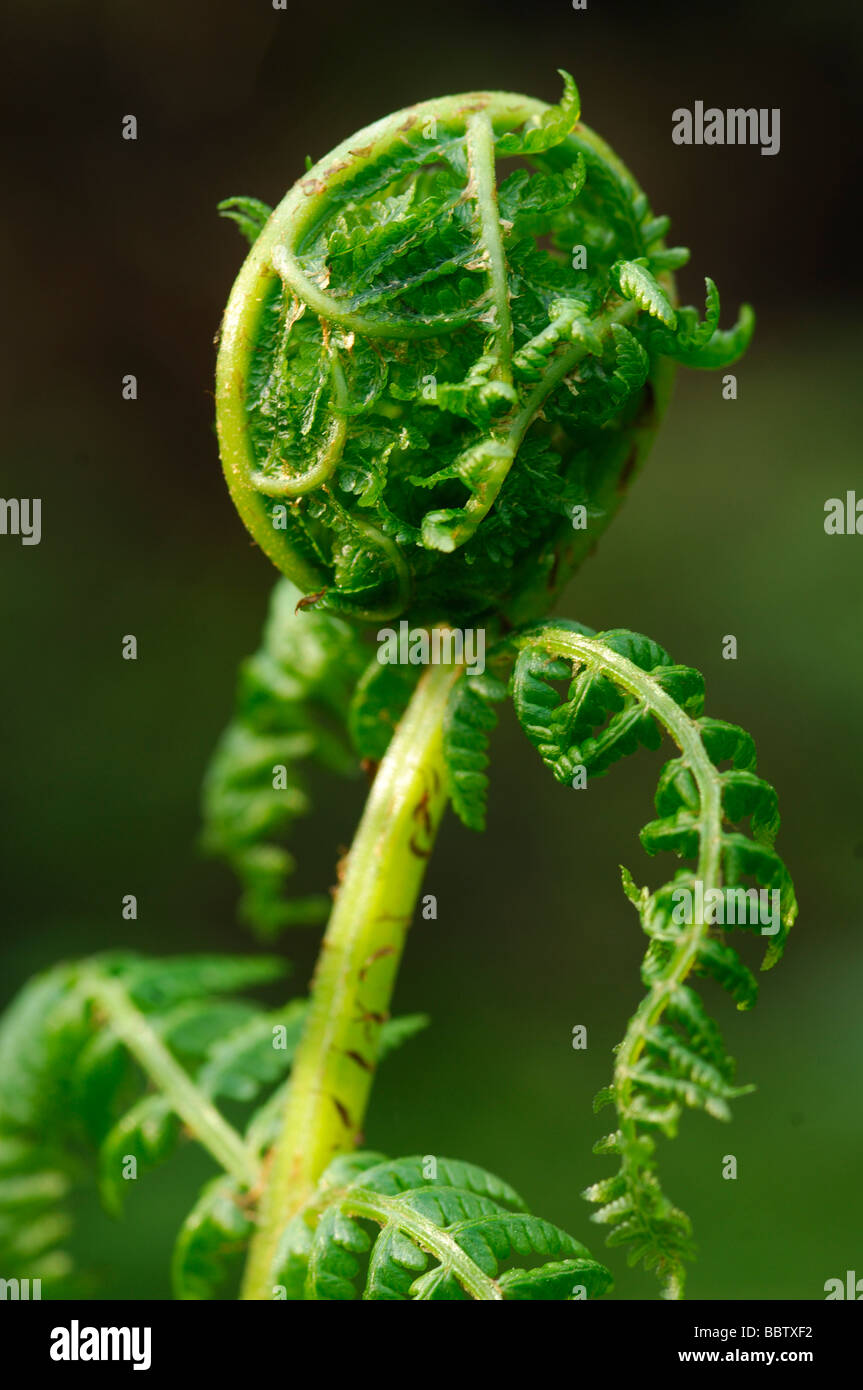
115 262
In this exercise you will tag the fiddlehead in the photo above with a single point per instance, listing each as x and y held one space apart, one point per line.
425 368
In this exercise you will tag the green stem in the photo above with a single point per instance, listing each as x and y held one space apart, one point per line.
354 979
197 1112
374 1206
480 151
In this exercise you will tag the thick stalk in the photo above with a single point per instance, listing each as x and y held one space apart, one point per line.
353 983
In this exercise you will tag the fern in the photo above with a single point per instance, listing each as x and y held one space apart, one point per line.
470 719
428 1229
625 691
434 387
79 1046
249 214
408 275
293 699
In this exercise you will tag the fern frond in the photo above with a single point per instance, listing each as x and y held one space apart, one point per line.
702 343
413 331
212 1242
469 722
292 703
69 1045
378 703
550 128
122 1056
625 692
428 1229
636 282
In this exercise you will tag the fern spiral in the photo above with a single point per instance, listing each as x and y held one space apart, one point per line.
425 367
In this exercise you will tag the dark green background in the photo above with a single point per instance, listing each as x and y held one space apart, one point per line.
117 264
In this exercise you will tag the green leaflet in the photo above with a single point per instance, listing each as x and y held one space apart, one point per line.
378 703
250 215
292 701
147 1134
702 343
470 719
635 282
34 1225
209 1251
624 691
530 204
427 1229
552 127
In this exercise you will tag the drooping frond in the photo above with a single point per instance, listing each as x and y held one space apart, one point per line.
720 817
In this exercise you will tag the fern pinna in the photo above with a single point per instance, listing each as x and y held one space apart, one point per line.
438 376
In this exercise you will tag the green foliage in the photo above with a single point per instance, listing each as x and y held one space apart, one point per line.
470 719
249 214
423 372
624 692
550 128
68 1084
379 701
79 1047
292 702
428 1228
212 1242
636 283
423 335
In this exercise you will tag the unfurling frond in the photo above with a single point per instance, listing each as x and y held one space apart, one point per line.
714 811
410 333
